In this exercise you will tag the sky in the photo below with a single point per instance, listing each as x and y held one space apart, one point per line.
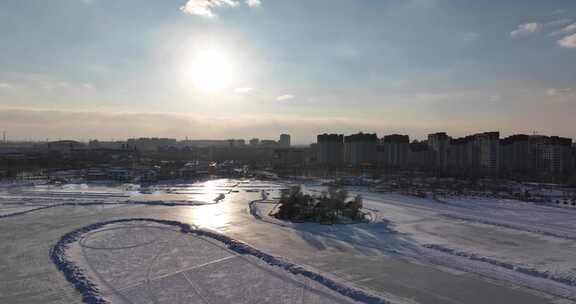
113 69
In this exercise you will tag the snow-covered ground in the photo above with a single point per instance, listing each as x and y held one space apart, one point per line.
453 250
145 261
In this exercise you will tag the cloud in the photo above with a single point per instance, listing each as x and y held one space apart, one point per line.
570 28
285 97
565 96
566 30
205 8
495 98
526 29
5 85
49 85
530 28
568 41
254 3
559 22
243 91
560 92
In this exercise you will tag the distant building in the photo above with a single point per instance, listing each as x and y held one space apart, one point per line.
257 154
460 154
420 156
284 141
392 152
360 149
254 142
553 154
314 151
439 144
96 144
536 154
268 143
151 144
235 143
64 145
573 159
203 143
479 152
290 157
488 145
330 149
516 154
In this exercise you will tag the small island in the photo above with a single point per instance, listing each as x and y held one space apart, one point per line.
331 207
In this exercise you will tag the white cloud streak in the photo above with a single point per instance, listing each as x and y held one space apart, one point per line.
285 97
243 91
205 8
568 42
526 29
570 28
254 3
560 92
5 85
559 22
566 30
495 98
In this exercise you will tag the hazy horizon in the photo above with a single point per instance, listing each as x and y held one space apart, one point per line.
83 69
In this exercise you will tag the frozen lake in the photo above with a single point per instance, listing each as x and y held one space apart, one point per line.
414 251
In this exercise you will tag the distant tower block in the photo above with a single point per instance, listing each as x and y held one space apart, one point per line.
284 140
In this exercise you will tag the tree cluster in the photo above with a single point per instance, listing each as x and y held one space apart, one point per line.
330 207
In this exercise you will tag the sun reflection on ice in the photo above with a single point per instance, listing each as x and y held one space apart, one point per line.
216 215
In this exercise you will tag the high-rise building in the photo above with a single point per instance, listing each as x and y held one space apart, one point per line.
392 152
284 141
330 149
478 152
557 155
438 144
573 159
488 145
536 154
360 149
516 153
460 154
419 155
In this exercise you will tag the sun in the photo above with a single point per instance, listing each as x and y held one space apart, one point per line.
211 69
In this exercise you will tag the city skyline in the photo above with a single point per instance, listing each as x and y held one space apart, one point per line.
288 139
241 69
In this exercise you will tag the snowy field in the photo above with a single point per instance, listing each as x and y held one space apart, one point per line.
147 262
453 250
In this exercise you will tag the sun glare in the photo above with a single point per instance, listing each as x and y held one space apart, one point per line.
211 70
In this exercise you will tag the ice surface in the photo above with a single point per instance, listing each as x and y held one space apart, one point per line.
129 261
465 250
